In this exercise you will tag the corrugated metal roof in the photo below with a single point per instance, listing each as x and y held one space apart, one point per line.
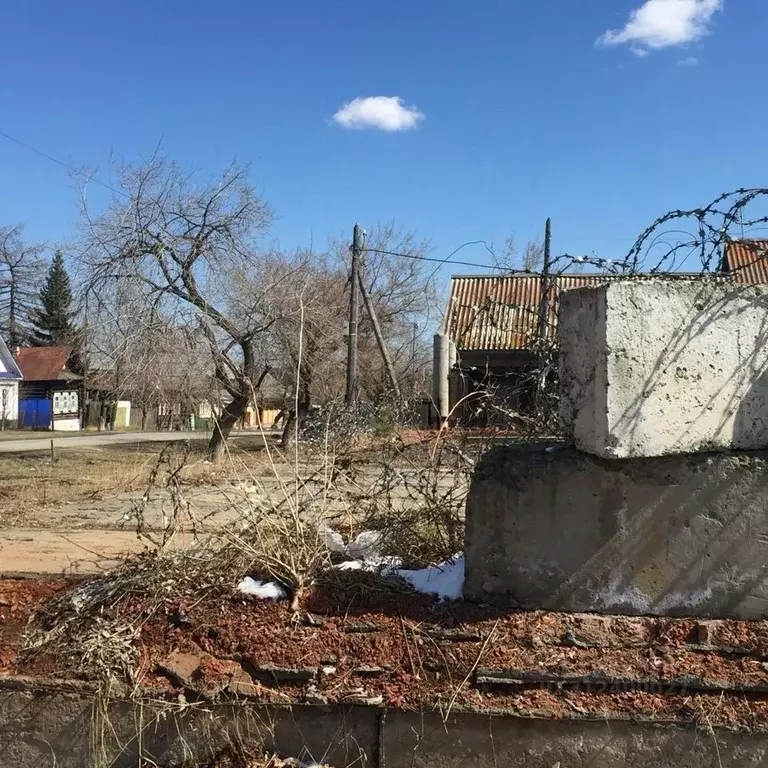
747 260
502 312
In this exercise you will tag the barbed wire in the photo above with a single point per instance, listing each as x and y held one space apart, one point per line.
707 242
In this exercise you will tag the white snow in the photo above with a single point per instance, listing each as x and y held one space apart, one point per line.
445 581
264 590
365 545
371 564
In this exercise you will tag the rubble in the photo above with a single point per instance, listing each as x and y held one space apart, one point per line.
415 653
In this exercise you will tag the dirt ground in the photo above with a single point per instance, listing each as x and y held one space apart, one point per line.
78 513
73 514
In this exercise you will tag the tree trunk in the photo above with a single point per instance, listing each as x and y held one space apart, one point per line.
232 413
303 399
287 439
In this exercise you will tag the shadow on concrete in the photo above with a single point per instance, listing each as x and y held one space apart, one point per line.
671 536
721 401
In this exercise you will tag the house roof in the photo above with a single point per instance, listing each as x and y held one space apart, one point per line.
45 363
747 260
501 312
8 367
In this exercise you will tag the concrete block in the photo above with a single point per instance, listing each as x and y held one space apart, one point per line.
650 368
675 536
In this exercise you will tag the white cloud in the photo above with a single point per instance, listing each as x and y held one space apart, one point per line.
691 61
664 23
384 113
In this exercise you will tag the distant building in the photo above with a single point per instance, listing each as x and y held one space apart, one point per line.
49 393
10 376
746 261
497 321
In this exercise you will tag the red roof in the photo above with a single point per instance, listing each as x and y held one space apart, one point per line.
45 363
747 260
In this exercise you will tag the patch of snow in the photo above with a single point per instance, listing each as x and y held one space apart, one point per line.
371 564
333 539
445 581
264 590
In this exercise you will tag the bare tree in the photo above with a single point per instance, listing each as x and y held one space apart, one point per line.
21 273
143 355
194 246
530 260
308 338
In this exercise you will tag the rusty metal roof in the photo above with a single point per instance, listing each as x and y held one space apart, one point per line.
747 260
501 312
45 363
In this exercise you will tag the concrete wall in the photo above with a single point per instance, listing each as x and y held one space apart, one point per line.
658 367
677 535
75 730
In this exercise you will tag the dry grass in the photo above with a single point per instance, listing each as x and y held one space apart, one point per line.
283 505
32 481
252 757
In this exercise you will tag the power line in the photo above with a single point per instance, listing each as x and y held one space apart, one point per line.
562 257
53 159
428 258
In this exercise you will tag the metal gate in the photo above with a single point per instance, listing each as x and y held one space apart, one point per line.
35 413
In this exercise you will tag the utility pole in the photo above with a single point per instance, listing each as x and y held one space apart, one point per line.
544 310
84 384
370 309
413 360
354 300
545 287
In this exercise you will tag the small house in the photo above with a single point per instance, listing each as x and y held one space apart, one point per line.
495 323
10 376
49 392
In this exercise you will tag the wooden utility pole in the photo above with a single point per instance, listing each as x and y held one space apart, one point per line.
354 294
413 359
544 310
545 286
379 336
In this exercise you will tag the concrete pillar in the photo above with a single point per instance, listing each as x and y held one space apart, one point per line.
440 375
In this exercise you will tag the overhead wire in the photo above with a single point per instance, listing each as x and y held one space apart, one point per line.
56 160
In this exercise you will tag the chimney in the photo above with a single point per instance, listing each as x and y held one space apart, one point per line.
17 352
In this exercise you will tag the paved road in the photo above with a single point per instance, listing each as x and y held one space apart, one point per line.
98 439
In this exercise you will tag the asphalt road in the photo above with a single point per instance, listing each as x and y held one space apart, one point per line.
100 439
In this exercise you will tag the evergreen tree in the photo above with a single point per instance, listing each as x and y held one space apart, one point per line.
53 321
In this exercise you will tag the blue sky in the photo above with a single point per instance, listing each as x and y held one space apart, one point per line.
521 113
